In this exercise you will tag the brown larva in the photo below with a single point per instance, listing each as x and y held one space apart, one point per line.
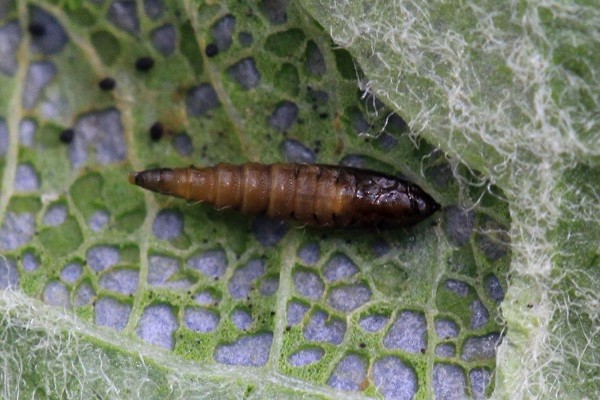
312 194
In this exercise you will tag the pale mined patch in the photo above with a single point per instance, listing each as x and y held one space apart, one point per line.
526 126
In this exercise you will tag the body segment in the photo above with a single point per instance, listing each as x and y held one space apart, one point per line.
312 194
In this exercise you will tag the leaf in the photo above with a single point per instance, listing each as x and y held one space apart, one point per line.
115 292
512 91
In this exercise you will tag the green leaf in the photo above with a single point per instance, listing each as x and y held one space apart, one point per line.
116 292
510 90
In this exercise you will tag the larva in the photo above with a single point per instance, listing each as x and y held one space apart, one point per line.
312 194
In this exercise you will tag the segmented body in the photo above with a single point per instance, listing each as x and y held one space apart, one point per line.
313 194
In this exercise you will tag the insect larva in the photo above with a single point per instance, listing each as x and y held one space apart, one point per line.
312 194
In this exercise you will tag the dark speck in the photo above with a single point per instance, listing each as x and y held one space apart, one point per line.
144 64
36 29
211 50
67 136
107 83
156 131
